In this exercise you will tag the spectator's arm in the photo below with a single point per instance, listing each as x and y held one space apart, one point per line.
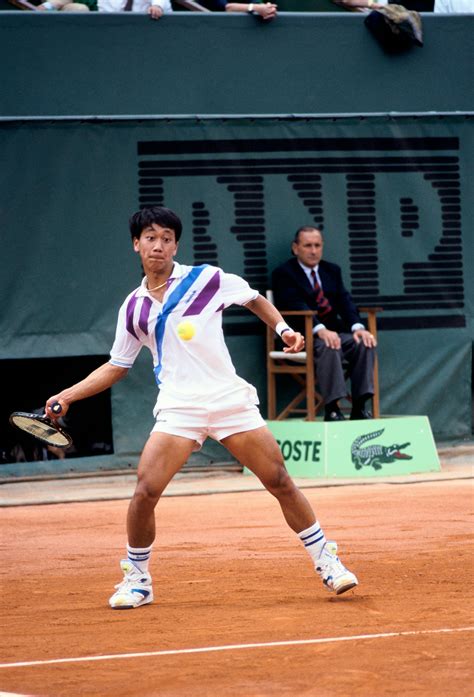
361 4
53 5
267 10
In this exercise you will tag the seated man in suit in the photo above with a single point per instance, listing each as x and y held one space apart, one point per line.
307 282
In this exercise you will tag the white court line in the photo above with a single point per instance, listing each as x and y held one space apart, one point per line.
234 647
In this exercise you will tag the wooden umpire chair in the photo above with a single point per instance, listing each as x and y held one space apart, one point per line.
300 366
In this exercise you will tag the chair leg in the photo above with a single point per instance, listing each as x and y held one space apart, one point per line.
271 396
313 398
376 397
372 326
292 405
310 397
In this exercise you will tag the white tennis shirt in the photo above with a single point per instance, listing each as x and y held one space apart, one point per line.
197 371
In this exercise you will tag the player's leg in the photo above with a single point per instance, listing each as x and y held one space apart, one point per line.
258 450
162 457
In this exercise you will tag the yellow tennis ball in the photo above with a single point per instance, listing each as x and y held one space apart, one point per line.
186 331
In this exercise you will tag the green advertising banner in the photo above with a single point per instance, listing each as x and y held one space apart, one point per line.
381 447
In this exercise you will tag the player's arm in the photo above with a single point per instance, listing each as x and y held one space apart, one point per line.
99 380
270 315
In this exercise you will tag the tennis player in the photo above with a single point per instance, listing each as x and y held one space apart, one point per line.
176 313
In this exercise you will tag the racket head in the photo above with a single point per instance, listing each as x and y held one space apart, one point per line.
42 428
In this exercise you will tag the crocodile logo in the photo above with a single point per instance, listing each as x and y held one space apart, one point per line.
376 455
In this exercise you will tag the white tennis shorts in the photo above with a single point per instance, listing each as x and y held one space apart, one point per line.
217 420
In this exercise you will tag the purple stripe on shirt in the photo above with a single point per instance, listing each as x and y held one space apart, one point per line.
144 314
130 310
204 297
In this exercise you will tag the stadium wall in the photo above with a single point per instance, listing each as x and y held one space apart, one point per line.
66 64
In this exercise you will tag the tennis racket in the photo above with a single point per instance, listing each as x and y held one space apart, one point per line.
42 427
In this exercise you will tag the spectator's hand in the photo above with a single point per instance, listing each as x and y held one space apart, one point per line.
294 341
155 12
331 339
366 337
266 10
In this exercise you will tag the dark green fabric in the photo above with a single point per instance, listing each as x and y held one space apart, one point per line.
321 63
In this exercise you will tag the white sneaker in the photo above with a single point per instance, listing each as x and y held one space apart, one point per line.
134 590
333 573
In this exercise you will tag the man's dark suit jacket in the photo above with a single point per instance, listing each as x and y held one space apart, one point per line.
292 291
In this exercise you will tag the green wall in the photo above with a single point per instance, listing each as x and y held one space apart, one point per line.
227 64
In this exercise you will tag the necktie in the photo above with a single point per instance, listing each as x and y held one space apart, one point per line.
324 306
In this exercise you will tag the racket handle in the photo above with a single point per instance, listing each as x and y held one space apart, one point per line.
56 408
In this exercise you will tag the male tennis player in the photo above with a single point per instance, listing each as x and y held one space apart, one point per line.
176 313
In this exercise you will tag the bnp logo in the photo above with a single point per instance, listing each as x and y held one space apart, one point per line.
376 455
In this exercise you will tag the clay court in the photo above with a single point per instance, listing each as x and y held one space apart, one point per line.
238 610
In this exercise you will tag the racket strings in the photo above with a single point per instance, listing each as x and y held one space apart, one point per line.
42 430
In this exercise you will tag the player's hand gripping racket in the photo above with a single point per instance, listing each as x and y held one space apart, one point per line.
42 427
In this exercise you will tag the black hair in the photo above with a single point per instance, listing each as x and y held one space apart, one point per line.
164 217
305 228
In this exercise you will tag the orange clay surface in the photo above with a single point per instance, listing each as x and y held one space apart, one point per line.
228 571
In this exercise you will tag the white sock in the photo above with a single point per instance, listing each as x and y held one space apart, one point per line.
139 556
314 540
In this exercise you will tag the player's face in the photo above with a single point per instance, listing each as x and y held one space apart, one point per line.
309 248
156 246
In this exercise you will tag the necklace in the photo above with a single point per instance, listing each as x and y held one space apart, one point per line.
150 290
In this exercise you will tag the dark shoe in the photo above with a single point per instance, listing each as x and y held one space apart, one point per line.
334 415
361 414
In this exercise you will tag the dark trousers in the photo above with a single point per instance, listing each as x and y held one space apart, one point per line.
331 365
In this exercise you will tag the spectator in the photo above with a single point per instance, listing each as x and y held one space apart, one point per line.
454 6
306 282
412 5
68 6
266 10
155 8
